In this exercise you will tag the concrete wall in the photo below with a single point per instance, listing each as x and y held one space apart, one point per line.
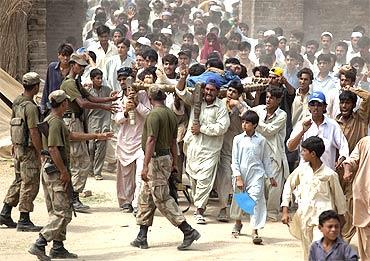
310 16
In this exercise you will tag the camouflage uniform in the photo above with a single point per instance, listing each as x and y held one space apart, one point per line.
80 159
161 123
155 194
25 187
57 200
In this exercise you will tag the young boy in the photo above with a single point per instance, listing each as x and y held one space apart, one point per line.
251 163
98 121
331 246
318 189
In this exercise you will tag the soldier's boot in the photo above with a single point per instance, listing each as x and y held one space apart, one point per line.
25 224
141 239
38 249
77 204
190 235
5 217
59 252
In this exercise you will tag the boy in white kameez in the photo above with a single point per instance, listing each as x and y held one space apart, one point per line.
251 163
318 190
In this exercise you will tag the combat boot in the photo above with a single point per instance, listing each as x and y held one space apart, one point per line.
38 249
5 217
141 239
190 235
59 252
25 224
77 204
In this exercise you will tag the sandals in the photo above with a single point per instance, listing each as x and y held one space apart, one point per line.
236 230
256 239
222 216
200 219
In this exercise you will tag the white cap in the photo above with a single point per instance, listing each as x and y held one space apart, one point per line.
215 8
356 34
281 37
118 12
144 41
327 33
166 31
167 13
269 33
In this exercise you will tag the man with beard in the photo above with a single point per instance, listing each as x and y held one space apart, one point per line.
311 47
341 49
203 141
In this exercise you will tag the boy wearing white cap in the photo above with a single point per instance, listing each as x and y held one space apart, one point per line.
326 41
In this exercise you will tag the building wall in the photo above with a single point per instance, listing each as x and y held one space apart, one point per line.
310 16
36 24
64 18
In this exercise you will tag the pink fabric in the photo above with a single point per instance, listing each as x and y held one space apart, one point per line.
207 49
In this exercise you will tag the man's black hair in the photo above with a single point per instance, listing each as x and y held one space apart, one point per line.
244 46
151 54
275 91
102 29
215 62
305 71
342 44
237 85
251 116
95 72
325 57
196 69
348 96
264 71
65 49
314 144
232 60
327 215
170 58
148 71
312 42
93 56
125 41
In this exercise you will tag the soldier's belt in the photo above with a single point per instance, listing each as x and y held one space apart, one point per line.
160 153
72 115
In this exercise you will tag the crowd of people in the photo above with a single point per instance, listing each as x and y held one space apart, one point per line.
284 121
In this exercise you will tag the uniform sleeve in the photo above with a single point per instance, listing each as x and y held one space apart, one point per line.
220 127
32 115
70 88
55 138
152 125
338 195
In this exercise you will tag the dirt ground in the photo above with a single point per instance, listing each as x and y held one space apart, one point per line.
105 233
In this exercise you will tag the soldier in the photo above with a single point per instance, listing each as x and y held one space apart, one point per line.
159 143
27 146
56 178
80 99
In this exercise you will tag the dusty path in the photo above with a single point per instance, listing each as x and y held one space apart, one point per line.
105 234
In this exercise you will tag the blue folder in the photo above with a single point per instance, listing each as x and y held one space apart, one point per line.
245 202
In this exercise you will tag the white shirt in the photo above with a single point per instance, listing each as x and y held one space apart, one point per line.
324 85
101 55
113 64
332 136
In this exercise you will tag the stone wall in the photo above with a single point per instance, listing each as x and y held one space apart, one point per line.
36 38
64 18
310 16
